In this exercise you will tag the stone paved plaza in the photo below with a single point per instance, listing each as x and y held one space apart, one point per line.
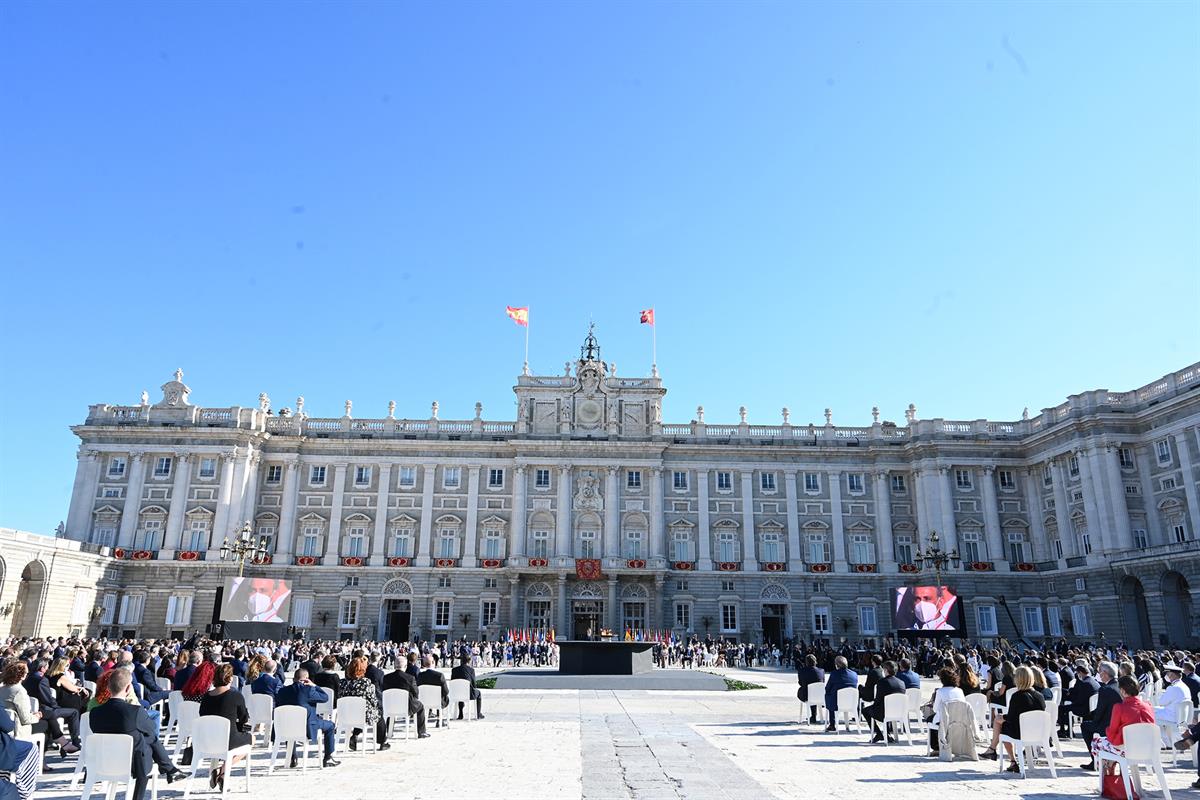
646 745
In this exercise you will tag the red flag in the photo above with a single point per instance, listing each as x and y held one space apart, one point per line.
521 315
648 316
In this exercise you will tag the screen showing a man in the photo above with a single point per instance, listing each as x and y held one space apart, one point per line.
256 600
926 608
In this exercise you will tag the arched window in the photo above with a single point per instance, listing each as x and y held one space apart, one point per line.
635 543
400 544
355 540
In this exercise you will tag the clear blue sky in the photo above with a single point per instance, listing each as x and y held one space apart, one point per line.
974 207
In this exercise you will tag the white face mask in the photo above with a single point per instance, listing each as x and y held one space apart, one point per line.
259 602
925 611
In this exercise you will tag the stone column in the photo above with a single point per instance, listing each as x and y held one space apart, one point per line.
703 529
1091 506
471 535
1155 535
517 529
237 496
334 543
883 519
221 519
1189 483
424 546
1038 543
514 601
795 550
563 628
250 505
379 540
749 551
946 498
83 494
287 515
991 521
834 477
179 496
562 521
658 543
133 500
1066 534
660 601
612 515
614 612
1123 539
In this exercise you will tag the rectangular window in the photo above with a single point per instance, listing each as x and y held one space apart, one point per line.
962 478
443 581
1047 476
683 616
633 615
1132 488
108 608
729 618
771 548
362 476
587 544
679 481
1031 617
1125 457
540 547
537 614
1085 538
274 473
633 479
1167 484
316 476
541 479
818 549
972 547
197 538
208 468
727 546
447 543
682 543
310 541
724 481
302 612
114 492
489 611
1140 540
681 586
633 544
1073 466
904 549
1081 584
862 551
821 621
898 485
495 479
451 477
1007 481
1163 448
80 608
1054 617
352 580
131 609
162 467
1179 532
116 466
408 476
985 620
179 609
348 615
812 483
727 585
356 538
854 482
402 539
1016 547
490 583
766 481
866 621
441 614
493 544
149 536
1081 620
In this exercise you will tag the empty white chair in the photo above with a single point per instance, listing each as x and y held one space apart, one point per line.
164 683
173 701
847 703
189 712
91 687
1057 692
1093 703
352 713
1035 733
85 730
895 711
107 759
1141 749
460 692
325 710
431 698
816 700
246 694
395 709
1052 710
290 724
914 707
262 709
979 707
210 740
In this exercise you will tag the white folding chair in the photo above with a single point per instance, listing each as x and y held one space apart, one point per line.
164 683
189 712
246 694
847 706
914 708
460 692
91 687
325 710
262 710
1170 730
173 701
1141 749
431 697
352 713
1093 704
85 730
210 740
107 760
290 724
37 739
979 707
395 709
895 711
1052 710
816 700
1035 734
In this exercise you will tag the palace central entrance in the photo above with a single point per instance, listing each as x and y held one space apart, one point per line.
397 614
773 623
586 616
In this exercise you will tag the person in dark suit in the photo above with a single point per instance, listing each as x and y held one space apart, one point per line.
464 671
239 664
842 677
327 679
266 682
874 675
312 664
400 679
1078 699
414 666
432 677
889 684
808 673
1191 682
117 715
306 694
39 689
1110 696
910 679
182 675
374 673
93 668
142 674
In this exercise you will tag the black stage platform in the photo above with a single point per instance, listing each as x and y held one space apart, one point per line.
576 657
661 680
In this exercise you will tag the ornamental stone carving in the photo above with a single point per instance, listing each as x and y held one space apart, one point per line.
587 493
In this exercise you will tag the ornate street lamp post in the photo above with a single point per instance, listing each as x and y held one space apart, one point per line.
937 559
244 548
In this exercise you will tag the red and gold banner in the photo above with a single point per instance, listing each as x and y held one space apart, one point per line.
588 569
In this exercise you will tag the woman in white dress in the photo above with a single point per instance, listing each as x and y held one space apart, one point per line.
948 692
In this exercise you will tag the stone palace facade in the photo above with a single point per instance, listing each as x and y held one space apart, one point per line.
1077 522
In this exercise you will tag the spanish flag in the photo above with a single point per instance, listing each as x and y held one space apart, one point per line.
648 316
521 315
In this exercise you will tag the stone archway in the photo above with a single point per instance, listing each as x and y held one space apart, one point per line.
31 595
395 611
1134 614
1177 608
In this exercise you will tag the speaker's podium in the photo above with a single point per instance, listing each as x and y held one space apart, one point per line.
578 657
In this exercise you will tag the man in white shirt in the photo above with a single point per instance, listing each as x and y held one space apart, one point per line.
1172 696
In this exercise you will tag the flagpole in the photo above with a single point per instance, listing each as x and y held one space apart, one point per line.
654 347
526 369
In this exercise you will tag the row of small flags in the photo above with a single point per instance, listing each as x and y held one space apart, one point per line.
529 635
656 636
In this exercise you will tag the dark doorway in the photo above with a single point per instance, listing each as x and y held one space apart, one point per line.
397 615
773 623
1135 614
586 616
1177 607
